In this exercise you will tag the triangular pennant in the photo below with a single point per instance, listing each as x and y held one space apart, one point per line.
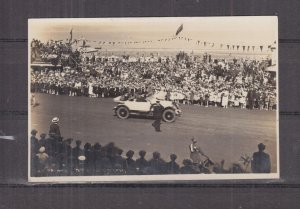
228 47
233 47
248 48
244 48
261 48
253 47
237 47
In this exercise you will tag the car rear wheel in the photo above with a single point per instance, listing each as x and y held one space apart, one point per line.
169 116
122 112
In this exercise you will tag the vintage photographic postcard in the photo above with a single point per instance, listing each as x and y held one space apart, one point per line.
153 99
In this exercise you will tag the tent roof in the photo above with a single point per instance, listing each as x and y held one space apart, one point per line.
272 68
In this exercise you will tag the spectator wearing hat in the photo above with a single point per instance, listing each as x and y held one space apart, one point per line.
157 114
130 164
54 128
172 166
157 165
141 163
118 163
34 142
261 161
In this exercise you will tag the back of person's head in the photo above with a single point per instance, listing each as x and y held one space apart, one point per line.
156 155
78 143
173 157
69 141
33 132
130 154
142 153
261 147
97 146
87 146
119 152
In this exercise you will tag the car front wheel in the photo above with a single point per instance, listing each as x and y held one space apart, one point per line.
122 112
169 116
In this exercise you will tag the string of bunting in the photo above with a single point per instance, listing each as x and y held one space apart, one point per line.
200 43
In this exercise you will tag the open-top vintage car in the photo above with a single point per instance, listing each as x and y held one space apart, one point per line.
144 107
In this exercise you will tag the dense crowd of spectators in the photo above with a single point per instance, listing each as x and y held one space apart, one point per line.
55 156
206 81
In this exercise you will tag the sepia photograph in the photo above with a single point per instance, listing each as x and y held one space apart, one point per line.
153 99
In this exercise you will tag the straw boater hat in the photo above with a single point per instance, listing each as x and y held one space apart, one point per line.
81 158
42 149
55 120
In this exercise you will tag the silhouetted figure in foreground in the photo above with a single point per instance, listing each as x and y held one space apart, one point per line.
34 142
172 166
76 152
141 163
188 167
157 165
130 164
261 161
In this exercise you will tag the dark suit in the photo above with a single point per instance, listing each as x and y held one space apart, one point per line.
261 163
157 114
54 129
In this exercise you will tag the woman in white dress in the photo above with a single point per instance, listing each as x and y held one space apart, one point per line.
91 93
225 99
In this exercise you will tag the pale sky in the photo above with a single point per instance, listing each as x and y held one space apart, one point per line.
252 31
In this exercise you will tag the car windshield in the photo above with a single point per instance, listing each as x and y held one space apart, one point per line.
141 100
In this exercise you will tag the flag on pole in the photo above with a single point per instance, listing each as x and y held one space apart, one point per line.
179 29
71 35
